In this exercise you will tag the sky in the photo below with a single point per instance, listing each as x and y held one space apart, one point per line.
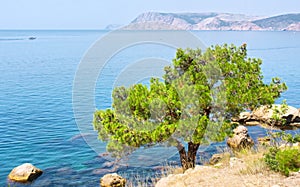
97 14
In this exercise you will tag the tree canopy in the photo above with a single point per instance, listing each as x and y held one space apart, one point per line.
194 104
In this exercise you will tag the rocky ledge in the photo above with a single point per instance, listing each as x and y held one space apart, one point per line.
228 175
274 116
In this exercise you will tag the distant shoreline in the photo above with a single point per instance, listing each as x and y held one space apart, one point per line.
212 21
107 30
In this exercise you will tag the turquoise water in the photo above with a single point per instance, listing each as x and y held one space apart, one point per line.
37 124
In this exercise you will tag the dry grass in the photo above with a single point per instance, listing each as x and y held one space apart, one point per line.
225 161
137 180
140 181
244 168
253 161
167 170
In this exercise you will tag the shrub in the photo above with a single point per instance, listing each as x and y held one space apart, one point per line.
283 160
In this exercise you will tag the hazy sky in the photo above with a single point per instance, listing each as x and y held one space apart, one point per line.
96 14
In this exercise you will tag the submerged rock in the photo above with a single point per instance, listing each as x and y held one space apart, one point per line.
103 171
25 173
112 180
240 139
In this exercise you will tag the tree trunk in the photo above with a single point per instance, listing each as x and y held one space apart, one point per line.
188 159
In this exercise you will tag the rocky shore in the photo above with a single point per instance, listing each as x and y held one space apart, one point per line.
241 166
235 174
275 116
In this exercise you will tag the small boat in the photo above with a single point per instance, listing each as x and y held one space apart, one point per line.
32 38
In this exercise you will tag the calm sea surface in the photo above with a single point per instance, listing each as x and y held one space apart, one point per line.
37 123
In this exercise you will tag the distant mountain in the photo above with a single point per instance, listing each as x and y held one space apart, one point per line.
282 22
213 21
112 27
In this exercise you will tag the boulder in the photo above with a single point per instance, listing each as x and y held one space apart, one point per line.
244 116
216 158
240 139
25 173
295 125
252 123
112 180
265 114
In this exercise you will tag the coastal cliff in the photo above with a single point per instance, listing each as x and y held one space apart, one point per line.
214 21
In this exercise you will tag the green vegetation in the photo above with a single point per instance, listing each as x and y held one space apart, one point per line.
283 160
200 94
283 156
278 112
279 138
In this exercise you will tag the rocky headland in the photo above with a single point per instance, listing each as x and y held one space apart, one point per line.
214 21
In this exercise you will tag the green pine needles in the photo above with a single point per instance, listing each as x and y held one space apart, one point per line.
194 104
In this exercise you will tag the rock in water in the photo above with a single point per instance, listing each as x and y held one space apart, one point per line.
240 139
278 116
244 116
112 180
25 173
265 114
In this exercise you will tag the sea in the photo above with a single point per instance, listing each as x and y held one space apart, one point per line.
39 123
